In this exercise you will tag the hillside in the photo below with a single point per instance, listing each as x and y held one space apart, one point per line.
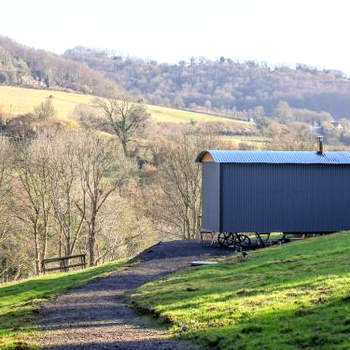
223 84
227 87
24 66
17 100
294 296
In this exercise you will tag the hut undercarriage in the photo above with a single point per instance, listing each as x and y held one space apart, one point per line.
243 241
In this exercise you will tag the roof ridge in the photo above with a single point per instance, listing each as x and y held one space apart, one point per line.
277 157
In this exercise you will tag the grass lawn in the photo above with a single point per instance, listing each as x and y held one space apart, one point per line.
19 301
295 296
16 100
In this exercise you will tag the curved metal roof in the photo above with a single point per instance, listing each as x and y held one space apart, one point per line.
276 157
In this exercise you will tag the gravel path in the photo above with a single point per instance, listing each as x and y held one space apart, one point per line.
96 316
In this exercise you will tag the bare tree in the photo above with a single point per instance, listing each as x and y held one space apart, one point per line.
66 193
5 186
297 137
32 204
178 203
6 265
45 110
124 117
102 170
123 230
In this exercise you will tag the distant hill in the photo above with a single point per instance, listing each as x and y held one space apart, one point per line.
224 84
224 87
27 67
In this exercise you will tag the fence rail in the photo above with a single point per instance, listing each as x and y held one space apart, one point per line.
64 263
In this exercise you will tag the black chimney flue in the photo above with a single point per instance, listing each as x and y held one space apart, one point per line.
320 145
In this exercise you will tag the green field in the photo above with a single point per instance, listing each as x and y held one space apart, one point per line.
16 100
19 301
295 296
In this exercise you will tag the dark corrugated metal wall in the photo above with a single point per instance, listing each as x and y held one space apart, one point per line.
282 197
210 196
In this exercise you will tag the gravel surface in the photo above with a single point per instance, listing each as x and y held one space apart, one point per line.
96 316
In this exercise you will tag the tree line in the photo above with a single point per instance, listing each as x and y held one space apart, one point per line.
27 67
224 84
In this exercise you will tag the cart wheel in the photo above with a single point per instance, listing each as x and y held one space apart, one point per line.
244 241
221 239
230 239
225 239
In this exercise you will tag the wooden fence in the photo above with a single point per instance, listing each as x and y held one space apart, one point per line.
64 263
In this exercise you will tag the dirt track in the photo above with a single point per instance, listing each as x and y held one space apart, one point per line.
96 316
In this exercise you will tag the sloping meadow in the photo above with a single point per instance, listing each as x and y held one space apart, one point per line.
284 297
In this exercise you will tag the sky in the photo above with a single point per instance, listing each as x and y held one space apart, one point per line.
273 31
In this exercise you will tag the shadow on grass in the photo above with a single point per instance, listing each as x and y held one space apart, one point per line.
154 344
325 326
